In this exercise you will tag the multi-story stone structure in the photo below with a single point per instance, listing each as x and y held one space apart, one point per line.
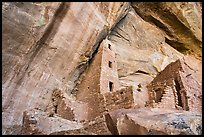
99 94
174 87
101 82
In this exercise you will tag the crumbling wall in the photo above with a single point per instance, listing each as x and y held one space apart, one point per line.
171 71
38 122
73 132
167 99
192 93
66 107
58 106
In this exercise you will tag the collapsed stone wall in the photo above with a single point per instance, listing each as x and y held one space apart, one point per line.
66 107
38 122
98 125
193 92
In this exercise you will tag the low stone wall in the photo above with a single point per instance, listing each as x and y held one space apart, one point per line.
122 98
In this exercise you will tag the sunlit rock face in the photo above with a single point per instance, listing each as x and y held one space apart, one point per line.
46 46
151 36
50 45
181 21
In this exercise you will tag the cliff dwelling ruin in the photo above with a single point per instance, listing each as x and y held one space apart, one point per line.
97 94
101 68
174 87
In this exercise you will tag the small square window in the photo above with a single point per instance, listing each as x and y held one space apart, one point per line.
110 64
110 86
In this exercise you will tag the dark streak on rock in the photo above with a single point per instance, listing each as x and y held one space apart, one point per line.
182 38
50 32
176 45
142 72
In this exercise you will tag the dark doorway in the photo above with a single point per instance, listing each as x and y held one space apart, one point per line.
178 88
159 95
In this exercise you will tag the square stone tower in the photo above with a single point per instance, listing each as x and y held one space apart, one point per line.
109 74
100 77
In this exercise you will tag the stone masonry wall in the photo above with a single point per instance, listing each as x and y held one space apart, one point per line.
38 122
100 78
88 91
193 91
66 107
122 98
109 73
168 99
186 91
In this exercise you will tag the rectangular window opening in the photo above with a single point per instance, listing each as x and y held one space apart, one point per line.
110 86
110 64
109 46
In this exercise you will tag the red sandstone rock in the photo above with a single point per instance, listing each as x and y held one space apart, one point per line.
39 57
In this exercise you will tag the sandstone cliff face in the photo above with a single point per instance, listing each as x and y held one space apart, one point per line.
48 46
146 42
65 37
180 21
